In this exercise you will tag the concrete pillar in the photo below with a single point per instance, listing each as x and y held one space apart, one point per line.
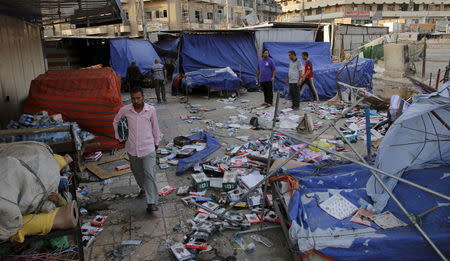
132 15
395 60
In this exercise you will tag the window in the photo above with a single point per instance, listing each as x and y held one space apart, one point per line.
148 15
247 12
416 7
127 16
404 7
425 7
209 15
157 14
309 12
391 8
164 13
319 10
220 11
198 14
380 7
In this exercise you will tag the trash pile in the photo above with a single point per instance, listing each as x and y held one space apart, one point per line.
42 120
227 191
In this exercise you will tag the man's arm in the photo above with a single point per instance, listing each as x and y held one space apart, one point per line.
116 122
155 128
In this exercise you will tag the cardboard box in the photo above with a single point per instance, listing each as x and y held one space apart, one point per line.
200 181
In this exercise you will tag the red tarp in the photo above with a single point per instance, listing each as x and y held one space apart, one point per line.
90 97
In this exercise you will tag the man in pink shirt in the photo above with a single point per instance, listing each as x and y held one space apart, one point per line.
143 139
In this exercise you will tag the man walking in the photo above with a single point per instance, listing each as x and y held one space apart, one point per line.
294 79
134 76
308 77
143 139
160 75
265 75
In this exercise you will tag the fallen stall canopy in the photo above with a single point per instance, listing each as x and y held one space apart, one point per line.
212 144
123 51
90 97
417 139
325 72
206 51
345 240
217 79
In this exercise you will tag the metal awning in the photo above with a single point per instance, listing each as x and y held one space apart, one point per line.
82 13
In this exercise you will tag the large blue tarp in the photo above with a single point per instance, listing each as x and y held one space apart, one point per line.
167 47
212 144
346 240
237 51
123 51
217 80
324 70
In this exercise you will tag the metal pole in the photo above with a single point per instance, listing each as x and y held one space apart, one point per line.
431 75
424 57
368 134
403 209
438 76
369 167
269 160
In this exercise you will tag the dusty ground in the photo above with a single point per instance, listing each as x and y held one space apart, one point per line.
128 219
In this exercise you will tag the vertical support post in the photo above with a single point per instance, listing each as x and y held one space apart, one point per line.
368 135
438 76
424 58
269 160
431 75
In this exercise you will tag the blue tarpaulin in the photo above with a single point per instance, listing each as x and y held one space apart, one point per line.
324 70
212 144
167 47
237 51
345 240
217 80
123 51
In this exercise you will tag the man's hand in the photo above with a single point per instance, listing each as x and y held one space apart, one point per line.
273 79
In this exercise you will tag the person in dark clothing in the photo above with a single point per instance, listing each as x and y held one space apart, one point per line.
308 77
265 75
134 76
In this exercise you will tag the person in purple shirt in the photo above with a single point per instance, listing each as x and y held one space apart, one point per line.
265 75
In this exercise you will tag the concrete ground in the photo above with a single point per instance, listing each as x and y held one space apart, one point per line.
128 219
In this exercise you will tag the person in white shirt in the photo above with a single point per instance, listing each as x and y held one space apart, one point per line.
294 79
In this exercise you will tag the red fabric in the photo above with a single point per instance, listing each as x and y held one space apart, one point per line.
309 69
90 97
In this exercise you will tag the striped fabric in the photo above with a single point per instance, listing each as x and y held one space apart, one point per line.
90 97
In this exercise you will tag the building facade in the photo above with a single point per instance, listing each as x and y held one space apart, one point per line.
411 15
162 15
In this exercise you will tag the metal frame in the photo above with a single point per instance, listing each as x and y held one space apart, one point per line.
375 172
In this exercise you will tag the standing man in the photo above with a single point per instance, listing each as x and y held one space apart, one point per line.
308 77
134 76
294 79
143 139
160 75
265 75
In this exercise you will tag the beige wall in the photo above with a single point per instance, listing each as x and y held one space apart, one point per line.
21 61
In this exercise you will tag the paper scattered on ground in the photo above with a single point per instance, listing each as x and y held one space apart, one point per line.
338 207
387 220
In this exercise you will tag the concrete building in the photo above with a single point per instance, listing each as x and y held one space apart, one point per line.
160 15
418 16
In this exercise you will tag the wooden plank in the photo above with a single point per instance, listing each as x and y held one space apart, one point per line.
14 132
95 168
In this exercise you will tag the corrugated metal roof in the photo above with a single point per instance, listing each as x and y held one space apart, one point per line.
81 13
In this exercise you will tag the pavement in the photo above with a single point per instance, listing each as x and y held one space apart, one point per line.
128 219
